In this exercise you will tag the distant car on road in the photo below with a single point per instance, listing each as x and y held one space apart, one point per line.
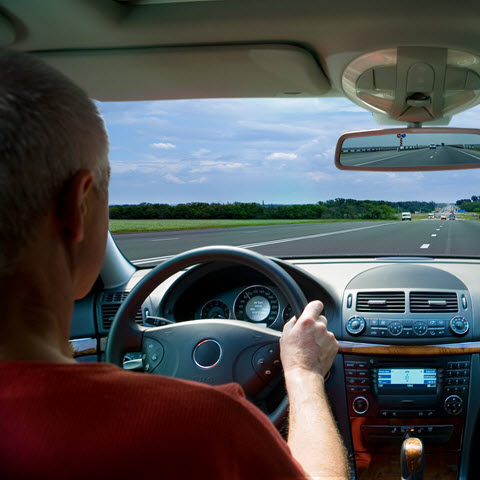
431 215
406 216
443 216
451 216
433 145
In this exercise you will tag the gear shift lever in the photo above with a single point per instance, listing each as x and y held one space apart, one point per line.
412 459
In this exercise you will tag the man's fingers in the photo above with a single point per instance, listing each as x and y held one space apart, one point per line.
289 325
313 310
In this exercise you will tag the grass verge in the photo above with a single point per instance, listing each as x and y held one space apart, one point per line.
129 226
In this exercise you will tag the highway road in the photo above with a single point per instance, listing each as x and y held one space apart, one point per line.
411 158
421 237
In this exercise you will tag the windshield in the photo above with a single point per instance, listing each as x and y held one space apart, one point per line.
259 173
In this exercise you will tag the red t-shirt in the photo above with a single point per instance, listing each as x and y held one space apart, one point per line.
85 421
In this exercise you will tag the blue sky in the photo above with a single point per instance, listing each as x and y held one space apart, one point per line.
254 150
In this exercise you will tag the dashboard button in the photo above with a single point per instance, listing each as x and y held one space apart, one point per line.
407 332
349 300
420 328
453 405
360 405
356 325
395 328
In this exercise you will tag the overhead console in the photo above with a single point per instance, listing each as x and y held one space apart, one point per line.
414 84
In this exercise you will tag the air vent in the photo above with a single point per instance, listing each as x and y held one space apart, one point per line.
433 302
389 302
110 309
109 297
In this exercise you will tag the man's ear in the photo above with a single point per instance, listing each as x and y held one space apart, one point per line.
73 205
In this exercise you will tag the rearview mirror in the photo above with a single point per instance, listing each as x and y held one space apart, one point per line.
409 149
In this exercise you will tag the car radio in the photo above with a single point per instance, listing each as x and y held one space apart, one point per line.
401 387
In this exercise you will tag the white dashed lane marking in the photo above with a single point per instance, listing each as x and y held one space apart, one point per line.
425 245
434 234
143 261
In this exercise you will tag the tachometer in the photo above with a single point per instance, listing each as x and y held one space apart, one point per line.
257 304
215 309
287 313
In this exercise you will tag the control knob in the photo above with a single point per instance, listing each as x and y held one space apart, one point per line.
395 328
459 325
356 325
360 405
453 405
420 328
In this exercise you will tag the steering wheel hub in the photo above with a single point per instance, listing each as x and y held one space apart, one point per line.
207 353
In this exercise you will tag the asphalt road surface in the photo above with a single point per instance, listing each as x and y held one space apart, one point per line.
411 238
412 158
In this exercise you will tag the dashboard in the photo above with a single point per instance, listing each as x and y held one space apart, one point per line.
409 336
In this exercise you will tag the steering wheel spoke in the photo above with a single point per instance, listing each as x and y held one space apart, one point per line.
214 352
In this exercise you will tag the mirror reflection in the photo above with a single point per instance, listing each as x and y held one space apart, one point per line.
414 150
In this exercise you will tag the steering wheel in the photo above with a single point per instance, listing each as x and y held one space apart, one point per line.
209 351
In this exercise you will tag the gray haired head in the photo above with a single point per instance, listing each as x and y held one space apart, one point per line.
49 130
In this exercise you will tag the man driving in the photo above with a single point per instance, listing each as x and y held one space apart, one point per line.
62 419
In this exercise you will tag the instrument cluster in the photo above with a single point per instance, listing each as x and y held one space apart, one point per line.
257 304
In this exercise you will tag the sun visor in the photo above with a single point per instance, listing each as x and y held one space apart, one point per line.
196 72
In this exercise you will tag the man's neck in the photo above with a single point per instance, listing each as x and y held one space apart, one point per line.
36 312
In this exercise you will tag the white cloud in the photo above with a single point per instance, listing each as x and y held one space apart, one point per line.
214 165
282 156
200 152
318 176
163 146
173 179
198 180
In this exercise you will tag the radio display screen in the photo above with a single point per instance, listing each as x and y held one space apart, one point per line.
398 380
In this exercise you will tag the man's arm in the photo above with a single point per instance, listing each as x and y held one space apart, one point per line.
307 352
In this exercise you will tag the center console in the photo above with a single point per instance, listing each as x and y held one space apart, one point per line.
390 398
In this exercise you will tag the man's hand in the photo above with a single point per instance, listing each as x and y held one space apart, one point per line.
307 350
306 344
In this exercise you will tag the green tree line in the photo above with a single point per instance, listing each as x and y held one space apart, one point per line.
471 204
340 208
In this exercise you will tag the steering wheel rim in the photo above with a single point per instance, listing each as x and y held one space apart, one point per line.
126 335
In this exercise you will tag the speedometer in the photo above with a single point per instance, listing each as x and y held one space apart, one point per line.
257 304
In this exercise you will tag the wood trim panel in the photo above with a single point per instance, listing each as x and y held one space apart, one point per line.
438 466
410 350
360 445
